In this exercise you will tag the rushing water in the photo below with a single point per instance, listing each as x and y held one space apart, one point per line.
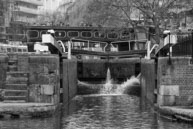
111 109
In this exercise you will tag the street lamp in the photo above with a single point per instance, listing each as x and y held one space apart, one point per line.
168 33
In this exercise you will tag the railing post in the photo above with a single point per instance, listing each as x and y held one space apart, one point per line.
69 50
169 62
192 47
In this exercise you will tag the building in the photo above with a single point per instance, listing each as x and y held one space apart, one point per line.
3 20
49 6
25 11
15 15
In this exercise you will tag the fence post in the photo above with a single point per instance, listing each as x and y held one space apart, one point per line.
192 48
169 62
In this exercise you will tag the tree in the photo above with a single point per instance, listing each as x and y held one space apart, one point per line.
51 19
155 10
120 13
104 13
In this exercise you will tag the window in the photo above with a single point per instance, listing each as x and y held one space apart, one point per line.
86 34
60 34
125 34
99 35
112 35
32 34
73 34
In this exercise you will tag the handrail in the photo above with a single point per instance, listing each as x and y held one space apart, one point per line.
59 41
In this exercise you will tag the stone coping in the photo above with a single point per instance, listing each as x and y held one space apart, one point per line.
181 113
27 109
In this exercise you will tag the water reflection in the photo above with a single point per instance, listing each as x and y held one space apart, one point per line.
99 112
115 112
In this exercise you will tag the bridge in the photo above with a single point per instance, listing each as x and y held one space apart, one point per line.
34 33
91 40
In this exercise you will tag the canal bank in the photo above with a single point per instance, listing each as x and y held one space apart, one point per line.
18 110
168 86
34 84
41 82
176 113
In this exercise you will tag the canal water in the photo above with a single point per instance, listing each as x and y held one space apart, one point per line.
107 110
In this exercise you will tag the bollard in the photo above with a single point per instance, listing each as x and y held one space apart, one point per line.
69 50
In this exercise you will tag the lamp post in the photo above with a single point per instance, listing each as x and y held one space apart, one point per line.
168 33
192 48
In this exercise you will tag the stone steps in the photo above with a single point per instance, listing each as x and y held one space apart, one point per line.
12 101
15 93
16 87
17 73
14 98
12 62
16 80
12 67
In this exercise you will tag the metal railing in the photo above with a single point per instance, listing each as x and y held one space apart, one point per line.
184 45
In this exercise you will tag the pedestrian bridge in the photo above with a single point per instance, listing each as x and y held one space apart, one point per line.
90 40
34 33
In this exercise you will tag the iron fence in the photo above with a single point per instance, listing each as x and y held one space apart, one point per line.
183 46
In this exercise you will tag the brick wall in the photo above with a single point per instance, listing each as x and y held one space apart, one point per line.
175 79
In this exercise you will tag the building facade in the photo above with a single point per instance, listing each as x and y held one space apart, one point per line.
4 4
25 11
15 15
2 22
49 6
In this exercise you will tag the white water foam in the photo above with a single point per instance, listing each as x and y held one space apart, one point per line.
124 87
110 88
107 88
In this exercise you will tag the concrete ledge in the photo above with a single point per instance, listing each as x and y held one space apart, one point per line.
169 90
180 113
27 109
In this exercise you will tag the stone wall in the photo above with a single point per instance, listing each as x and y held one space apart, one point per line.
44 84
148 77
69 76
175 81
124 68
3 70
43 76
92 69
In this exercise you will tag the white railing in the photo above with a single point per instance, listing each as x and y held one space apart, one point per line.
7 48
